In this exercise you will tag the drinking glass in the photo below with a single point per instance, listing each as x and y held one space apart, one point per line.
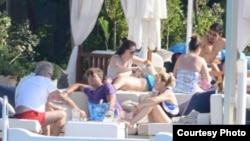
75 114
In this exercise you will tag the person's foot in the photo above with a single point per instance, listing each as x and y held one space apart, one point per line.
128 124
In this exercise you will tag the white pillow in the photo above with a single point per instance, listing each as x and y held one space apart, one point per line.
165 54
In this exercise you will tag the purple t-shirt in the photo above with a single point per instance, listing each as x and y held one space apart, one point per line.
101 92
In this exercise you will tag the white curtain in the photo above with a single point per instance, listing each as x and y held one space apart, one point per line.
144 25
243 39
237 36
243 25
83 16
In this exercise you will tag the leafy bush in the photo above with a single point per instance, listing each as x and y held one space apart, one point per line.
16 48
57 71
206 17
174 27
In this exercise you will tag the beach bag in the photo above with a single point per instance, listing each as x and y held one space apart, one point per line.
97 112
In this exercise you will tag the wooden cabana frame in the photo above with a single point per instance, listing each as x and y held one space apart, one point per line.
88 60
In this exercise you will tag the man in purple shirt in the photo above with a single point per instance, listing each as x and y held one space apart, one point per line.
97 90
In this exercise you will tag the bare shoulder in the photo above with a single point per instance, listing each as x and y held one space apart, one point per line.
201 59
182 56
221 43
113 58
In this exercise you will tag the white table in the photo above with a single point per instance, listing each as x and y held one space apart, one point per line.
95 129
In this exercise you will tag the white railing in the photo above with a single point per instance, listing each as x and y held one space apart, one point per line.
5 120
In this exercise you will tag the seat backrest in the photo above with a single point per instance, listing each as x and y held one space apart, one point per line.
157 60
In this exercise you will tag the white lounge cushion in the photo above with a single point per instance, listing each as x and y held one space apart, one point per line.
16 134
31 125
151 129
203 119
157 60
165 54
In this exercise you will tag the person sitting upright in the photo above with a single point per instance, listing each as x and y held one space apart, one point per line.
161 106
212 44
121 67
97 90
35 92
191 70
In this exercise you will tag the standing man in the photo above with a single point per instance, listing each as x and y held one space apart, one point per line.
213 42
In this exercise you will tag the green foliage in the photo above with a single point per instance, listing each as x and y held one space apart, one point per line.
2 2
93 42
111 24
57 71
174 27
16 52
247 50
207 16
4 25
112 11
21 42
105 27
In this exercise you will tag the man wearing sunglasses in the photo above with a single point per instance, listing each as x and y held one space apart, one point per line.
35 92
97 91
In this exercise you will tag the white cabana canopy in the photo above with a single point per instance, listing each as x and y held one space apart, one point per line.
144 23
83 16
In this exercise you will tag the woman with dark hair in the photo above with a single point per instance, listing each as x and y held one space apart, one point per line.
191 70
121 68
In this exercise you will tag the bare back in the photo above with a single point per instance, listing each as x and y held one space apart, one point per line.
193 63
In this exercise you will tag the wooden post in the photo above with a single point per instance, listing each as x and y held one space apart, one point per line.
149 55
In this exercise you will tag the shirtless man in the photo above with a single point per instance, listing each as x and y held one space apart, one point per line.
213 42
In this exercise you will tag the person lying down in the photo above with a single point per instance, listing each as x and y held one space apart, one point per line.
142 80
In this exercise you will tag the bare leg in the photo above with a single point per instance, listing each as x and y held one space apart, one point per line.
140 115
56 119
130 83
46 130
158 115
118 82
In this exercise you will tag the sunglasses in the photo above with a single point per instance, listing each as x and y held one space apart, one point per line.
90 73
132 52
51 76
